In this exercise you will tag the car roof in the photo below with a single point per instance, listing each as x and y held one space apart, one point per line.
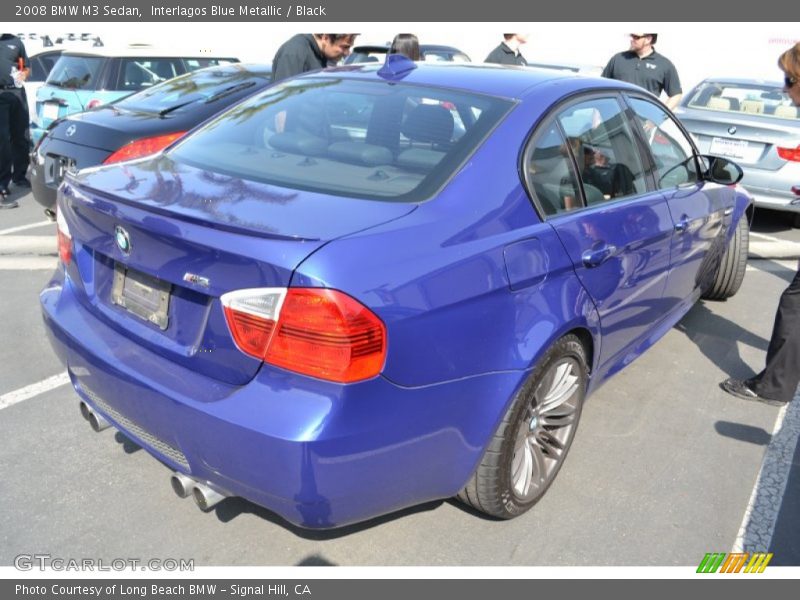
742 81
144 50
422 48
489 79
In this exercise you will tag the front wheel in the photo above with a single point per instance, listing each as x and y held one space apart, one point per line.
532 441
732 267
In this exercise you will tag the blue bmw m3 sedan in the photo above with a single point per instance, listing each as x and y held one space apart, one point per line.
374 286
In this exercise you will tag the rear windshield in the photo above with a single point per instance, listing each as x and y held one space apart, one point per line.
768 100
182 92
375 140
75 72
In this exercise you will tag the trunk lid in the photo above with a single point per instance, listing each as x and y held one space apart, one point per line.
157 243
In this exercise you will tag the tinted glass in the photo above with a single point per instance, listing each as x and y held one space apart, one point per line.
364 139
767 100
75 72
671 149
551 173
604 149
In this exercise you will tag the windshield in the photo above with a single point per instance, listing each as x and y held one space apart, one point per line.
75 72
208 85
767 100
375 140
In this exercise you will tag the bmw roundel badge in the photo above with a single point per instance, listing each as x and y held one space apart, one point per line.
123 240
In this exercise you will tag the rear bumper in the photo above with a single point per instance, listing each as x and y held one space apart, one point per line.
318 454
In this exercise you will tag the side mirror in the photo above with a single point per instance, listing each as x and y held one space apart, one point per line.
721 170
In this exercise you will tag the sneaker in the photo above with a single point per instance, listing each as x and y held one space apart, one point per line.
23 183
5 202
741 389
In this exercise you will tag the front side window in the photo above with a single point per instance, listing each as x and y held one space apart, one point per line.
671 149
375 140
604 148
75 72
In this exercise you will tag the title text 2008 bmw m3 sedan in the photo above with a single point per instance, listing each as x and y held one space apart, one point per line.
373 286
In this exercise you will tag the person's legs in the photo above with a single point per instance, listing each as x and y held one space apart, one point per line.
780 377
18 123
5 141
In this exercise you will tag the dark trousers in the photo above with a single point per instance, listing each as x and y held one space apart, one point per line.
13 141
780 377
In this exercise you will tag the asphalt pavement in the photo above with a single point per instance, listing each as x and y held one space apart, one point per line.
665 466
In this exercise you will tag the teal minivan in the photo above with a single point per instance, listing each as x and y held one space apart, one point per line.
84 79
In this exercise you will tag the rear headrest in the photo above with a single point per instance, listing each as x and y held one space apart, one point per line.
790 112
429 123
718 103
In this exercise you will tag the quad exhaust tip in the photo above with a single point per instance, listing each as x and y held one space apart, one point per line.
97 421
181 484
205 497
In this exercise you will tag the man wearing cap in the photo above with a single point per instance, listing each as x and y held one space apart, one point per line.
643 66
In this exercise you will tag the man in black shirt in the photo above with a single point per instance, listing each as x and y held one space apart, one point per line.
507 53
645 67
309 52
14 66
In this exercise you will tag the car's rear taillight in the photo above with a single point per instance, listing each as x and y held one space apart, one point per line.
318 332
143 147
64 239
791 154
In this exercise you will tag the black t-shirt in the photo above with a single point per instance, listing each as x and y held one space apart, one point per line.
299 54
654 72
503 55
11 50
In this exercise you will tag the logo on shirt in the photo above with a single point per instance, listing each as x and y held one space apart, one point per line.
650 66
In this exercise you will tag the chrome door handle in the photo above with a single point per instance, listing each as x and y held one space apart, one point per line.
594 258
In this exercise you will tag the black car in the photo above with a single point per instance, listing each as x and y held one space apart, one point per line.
139 124
428 53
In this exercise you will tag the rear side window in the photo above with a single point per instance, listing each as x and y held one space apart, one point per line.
550 172
604 148
76 72
139 73
375 140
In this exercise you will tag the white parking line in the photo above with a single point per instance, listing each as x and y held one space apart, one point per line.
29 391
764 236
25 227
758 524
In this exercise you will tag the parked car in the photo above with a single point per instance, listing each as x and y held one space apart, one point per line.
428 53
43 52
755 123
139 124
337 318
85 79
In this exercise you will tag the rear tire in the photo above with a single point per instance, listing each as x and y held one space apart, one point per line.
532 441
733 264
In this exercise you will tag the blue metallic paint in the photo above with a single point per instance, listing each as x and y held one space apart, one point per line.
478 288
